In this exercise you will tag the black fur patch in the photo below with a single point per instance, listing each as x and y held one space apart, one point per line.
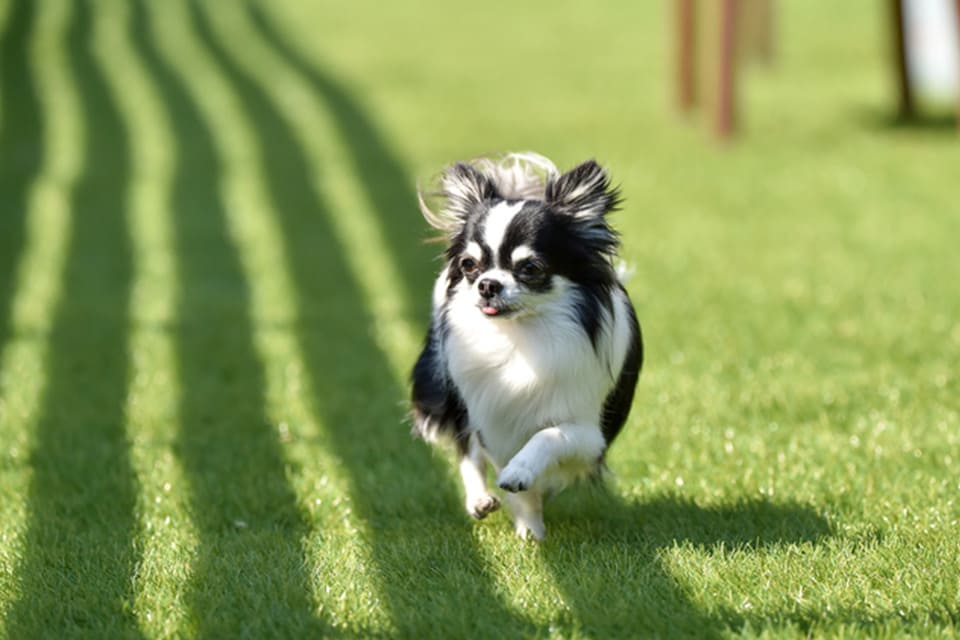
437 404
616 407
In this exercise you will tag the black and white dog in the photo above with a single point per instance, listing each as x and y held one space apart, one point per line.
534 349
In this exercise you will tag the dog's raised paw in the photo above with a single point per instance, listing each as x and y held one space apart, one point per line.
482 506
515 478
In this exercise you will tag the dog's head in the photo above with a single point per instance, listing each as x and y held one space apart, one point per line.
520 233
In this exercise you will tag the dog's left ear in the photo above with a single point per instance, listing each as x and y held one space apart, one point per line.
582 192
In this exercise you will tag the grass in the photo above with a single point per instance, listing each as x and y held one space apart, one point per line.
212 284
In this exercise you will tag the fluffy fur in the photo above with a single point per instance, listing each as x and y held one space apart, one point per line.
534 349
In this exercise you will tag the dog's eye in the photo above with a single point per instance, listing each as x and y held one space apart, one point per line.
469 266
529 269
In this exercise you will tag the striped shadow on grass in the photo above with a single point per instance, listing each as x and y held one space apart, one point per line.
79 556
400 492
615 536
387 188
21 148
165 532
249 576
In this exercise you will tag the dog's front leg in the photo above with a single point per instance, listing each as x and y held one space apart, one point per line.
473 472
527 511
564 443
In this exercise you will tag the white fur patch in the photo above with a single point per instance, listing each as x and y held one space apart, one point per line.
475 251
440 289
521 253
529 373
495 227
480 502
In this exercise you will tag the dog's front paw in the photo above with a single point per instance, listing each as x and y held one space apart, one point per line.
516 477
531 527
527 511
481 506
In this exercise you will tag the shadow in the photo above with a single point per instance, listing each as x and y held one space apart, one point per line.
80 555
384 179
21 149
884 120
419 537
626 541
249 577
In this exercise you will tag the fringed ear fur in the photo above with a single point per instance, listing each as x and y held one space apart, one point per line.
583 192
462 187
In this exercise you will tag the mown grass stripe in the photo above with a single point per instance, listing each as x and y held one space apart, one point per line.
21 148
166 534
368 187
366 434
249 561
63 138
272 304
372 213
38 107
79 554
353 167
365 158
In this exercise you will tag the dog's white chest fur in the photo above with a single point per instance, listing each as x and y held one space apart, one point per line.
520 375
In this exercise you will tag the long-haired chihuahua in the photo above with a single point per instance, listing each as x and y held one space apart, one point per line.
534 348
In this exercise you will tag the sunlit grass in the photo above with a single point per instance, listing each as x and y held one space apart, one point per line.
250 217
167 534
34 282
212 282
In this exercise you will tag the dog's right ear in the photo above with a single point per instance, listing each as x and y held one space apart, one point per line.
462 188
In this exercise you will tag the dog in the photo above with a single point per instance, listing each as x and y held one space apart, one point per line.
534 349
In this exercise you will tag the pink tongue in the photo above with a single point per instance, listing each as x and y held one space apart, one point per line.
490 311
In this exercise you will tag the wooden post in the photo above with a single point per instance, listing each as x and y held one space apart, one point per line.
905 103
725 117
686 25
757 29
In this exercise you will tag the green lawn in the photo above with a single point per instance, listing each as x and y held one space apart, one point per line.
213 284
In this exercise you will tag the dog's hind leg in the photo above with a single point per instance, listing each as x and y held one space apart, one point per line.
473 472
527 510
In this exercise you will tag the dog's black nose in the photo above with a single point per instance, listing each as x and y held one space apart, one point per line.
489 288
